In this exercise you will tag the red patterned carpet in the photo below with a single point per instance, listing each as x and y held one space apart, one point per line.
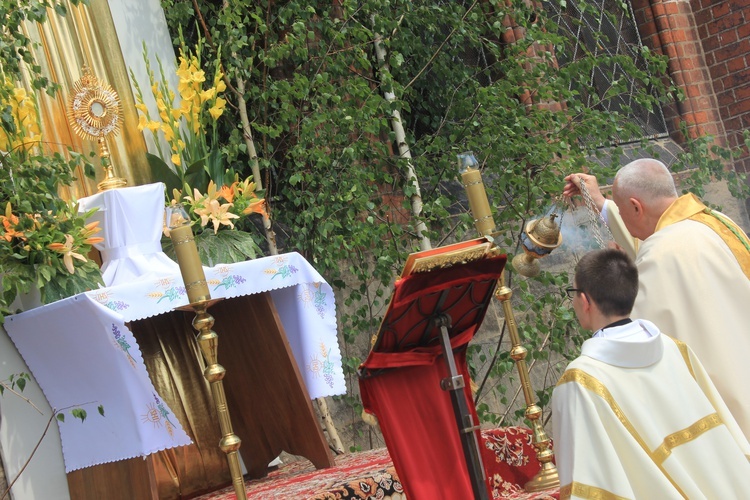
508 458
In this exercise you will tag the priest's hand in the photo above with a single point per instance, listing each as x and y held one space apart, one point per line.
591 186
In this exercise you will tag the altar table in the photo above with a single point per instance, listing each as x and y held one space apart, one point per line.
277 340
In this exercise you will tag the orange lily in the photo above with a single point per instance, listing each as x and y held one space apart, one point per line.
68 254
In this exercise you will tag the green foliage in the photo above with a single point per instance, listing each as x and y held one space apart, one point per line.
320 108
36 219
221 247
16 47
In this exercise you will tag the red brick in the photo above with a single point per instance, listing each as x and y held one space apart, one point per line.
718 71
736 64
703 18
727 23
719 9
739 49
710 59
669 9
741 107
743 31
711 43
742 92
728 37
725 99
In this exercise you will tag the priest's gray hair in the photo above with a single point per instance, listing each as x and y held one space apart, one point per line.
647 179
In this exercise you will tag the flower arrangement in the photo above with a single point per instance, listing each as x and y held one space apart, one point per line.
43 239
187 125
216 211
193 170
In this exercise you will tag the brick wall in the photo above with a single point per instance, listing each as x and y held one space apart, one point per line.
724 30
708 45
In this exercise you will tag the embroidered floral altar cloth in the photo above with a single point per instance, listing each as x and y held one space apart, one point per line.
83 355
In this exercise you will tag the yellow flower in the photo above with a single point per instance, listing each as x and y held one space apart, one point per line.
218 108
19 93
68 254
176 160
153 126
168 132
208 94
142 123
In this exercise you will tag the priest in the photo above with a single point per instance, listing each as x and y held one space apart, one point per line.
636 415
694 268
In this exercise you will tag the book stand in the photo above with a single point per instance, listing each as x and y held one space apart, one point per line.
415 377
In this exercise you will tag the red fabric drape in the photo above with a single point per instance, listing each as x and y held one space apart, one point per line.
401 376
420 429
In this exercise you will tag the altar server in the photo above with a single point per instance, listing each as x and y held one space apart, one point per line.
694 267
636 415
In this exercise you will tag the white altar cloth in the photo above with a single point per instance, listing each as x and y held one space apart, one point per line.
131 219
82 354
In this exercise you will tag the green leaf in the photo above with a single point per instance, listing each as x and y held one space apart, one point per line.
100 408
161 172
79 413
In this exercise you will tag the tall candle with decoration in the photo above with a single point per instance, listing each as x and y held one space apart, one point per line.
186 251
471 178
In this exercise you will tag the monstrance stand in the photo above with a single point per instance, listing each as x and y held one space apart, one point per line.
94 111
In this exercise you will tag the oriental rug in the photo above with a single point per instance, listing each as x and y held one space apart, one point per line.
509 461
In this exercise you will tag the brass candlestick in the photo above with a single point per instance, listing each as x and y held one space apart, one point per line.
485 224
200 300
547 477
94 111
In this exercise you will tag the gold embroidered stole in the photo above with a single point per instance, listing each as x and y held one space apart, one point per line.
690 207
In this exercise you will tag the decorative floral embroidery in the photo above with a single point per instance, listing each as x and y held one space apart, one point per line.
284 271
314 295
230 281
324 366
117 305
122 343
172 294
156 413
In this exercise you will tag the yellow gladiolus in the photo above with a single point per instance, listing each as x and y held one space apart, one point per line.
142 123
218 108
168 132
208 94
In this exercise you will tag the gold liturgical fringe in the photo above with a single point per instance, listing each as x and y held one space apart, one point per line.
175 366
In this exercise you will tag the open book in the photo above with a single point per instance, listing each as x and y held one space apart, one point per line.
447 256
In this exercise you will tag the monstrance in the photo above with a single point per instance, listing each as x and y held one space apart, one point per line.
94 112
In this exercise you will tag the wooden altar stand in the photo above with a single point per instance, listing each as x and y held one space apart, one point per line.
268 403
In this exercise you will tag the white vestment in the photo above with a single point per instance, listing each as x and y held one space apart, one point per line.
636 416
692 286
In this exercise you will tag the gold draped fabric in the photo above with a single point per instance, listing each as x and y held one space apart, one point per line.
86 36
174 363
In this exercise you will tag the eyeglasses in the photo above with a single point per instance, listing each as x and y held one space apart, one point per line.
570 291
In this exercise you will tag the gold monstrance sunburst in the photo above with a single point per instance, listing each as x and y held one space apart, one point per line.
95 112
